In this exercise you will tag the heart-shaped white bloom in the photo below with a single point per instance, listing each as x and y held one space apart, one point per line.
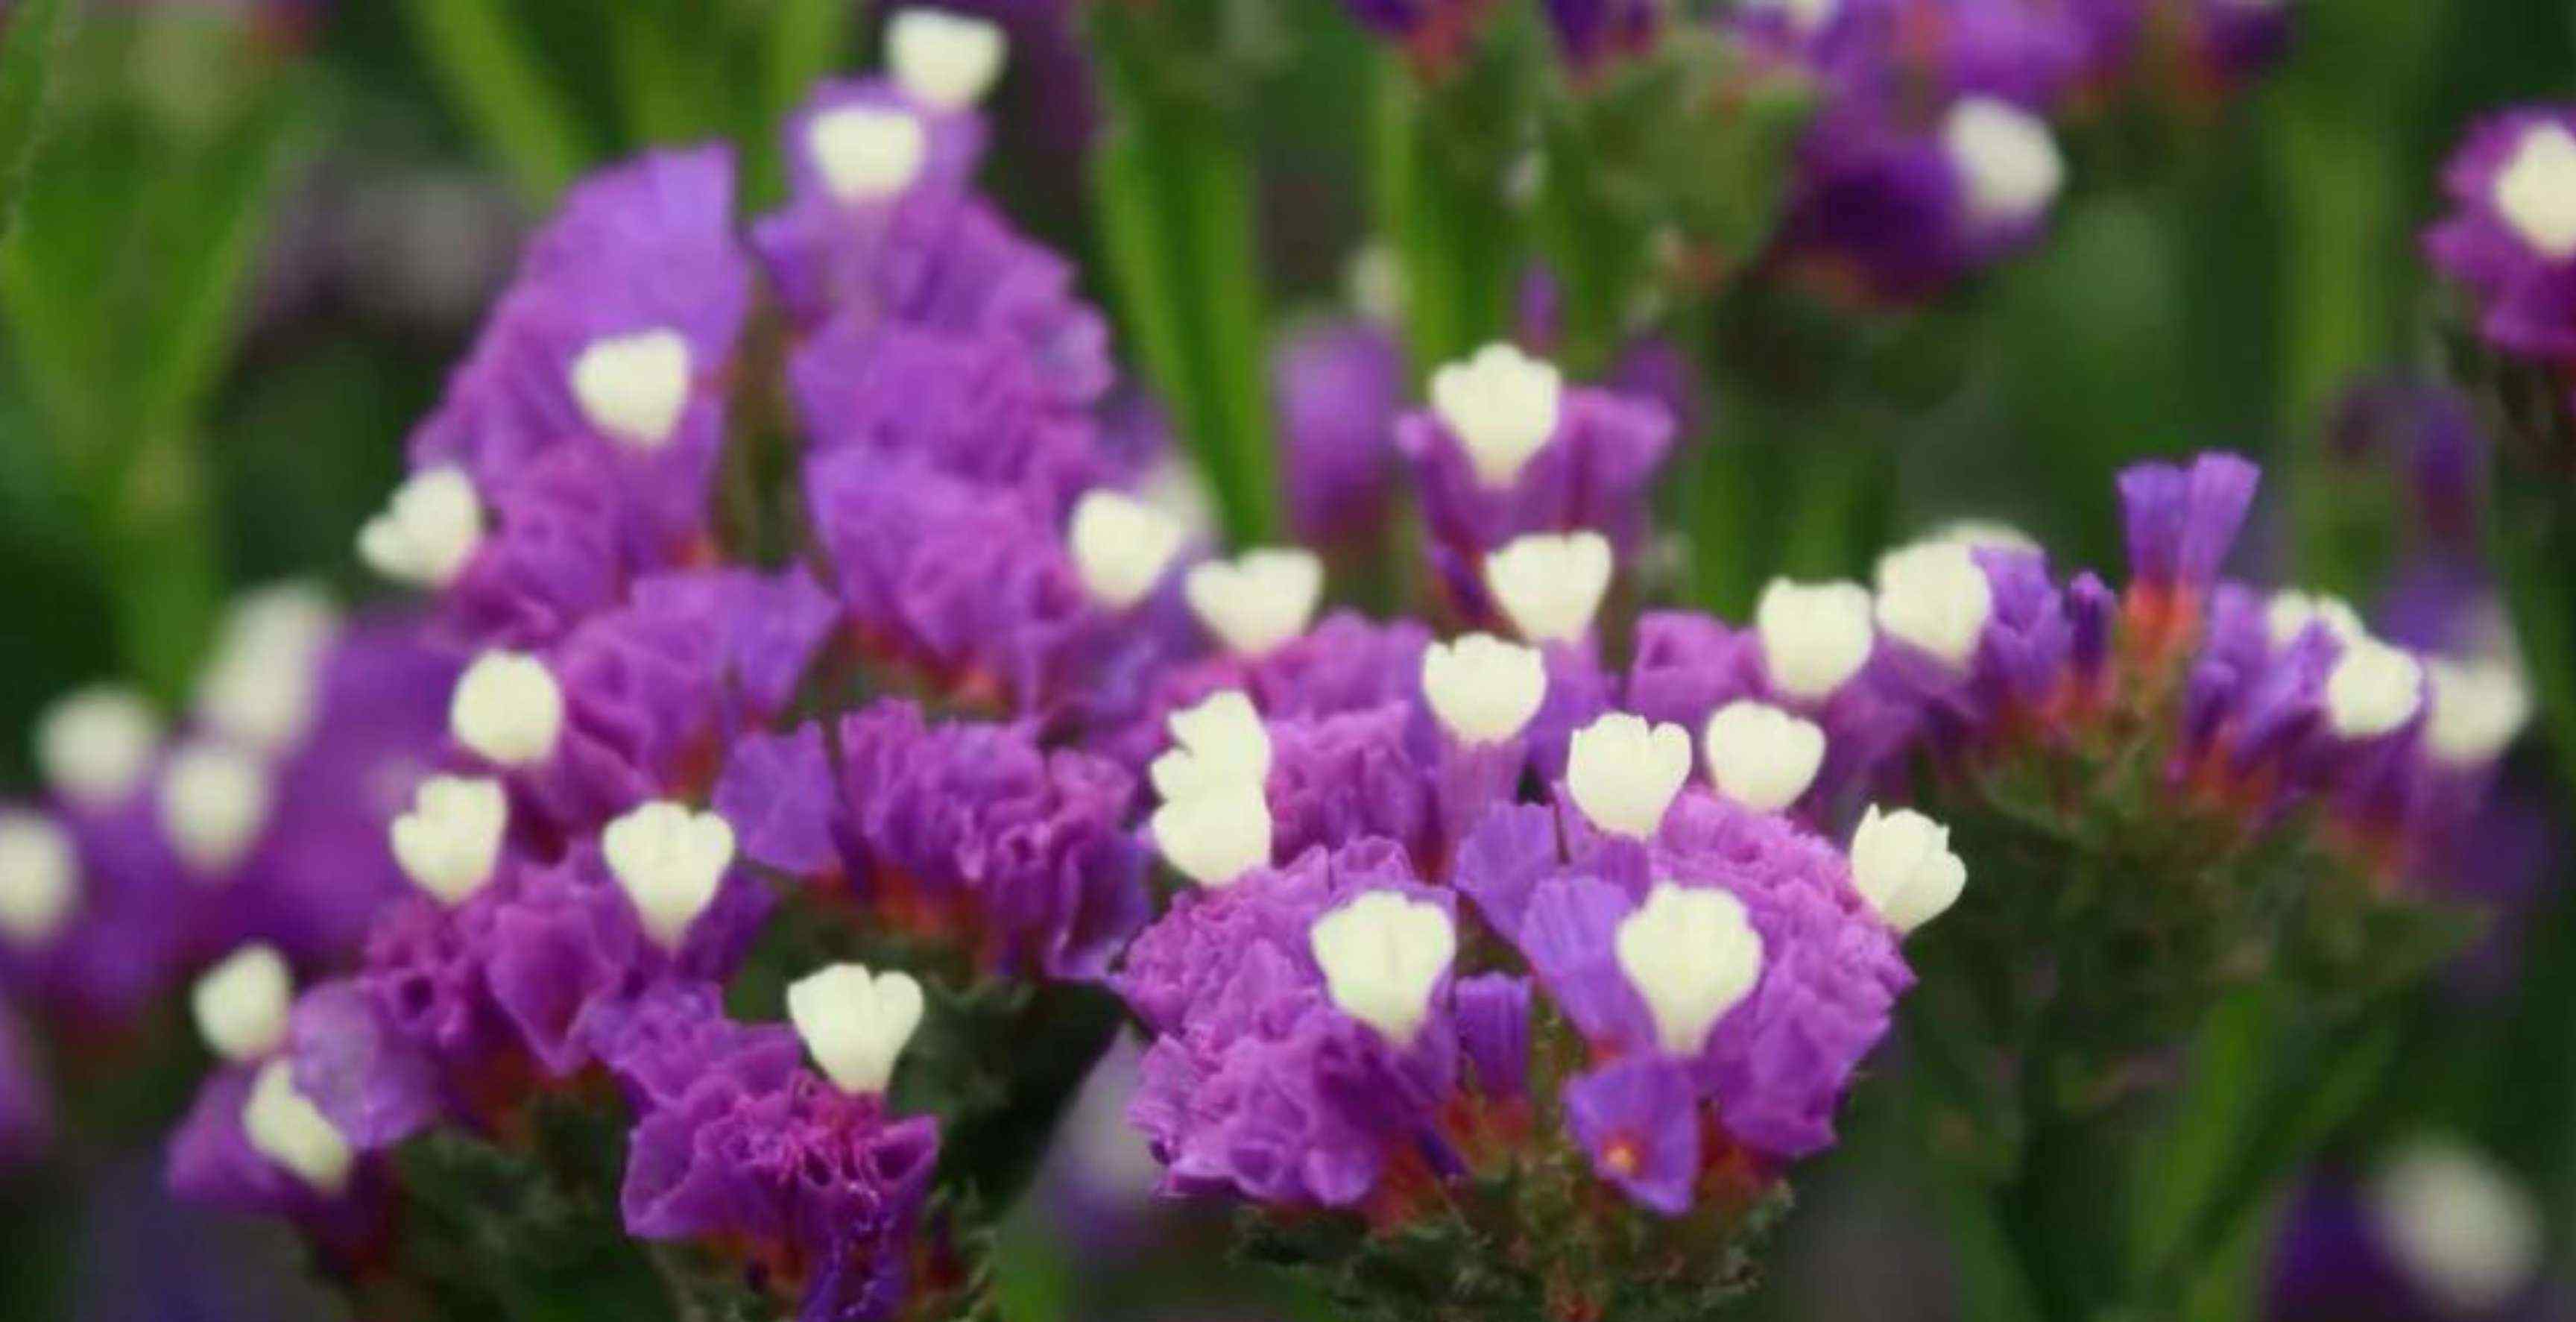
855 1023
450 840
2458 1224
1484 690
95 744
2373 689
214 802
1760 756
1550 585
1215 836
1815 636
1261 599
1902 864
1502 405
1121 546
241 1003
2478 707
632 388
427 531
1381 955
285 1127
1934 596
1692 954
1219 743
947 60
39 878
2536 191
867 153
260 688
2291 611
669 861
507 709
1624 774
2006 157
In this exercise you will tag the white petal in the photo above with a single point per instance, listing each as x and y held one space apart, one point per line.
633 388
450 841
867 153
214 803
948 60
1692 954
1218 743
1215 836
39 878
428 531
1482 689
2006 157
1121 546
855 1024
1936 597
94 745
1815 636
1624 775
669 861
1761 756
1502 405
2478 708
285 1127
1382 954
1550 586
1901 863
2373 689
507 709
1261 599
241 1003
2460 1226
2536 191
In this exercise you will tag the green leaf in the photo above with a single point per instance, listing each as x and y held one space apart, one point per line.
500 83
33 38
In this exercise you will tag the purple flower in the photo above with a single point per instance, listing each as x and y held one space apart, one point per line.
2509 236
2181 521
1336 780
779 794
1339 385
1639 1120
26 1102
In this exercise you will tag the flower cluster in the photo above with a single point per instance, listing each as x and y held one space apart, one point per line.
2509 239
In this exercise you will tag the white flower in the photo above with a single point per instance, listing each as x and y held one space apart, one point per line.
1121 546
285 1127
2006 157
1381 955
2536 191
240 1004
1484 690
1902 864
2291 611
507 709
214 801
1502 405
1215 836
1936 597
94 745
632 388
1549 585
1219 743
1623 774
39 878
1261 599
855 1024
867 153
428 530
947 60
1760 756
1692 954
450 840
2461 1227
259 689
2373 689
2478 707
1815 636
669 861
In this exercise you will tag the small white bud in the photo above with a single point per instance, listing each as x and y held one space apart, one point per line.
1692 954
855 1024
1936 597
285 1127
1902 864
507 709
260 689
1261 599
2006 157
1484 690
1381 955
2291 611
1549 585
39 878
450 840
2373 689
94 745
633 388
1121 546
2478 708
669 862
2536 191
241 1003
2459 1225
867 153
1760 756
1215 836
947 60
1623 774
1502 405
214 800
428 530
1217 744
1815 636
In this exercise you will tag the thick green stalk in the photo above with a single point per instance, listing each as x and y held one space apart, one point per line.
501 86
1439 158
32 43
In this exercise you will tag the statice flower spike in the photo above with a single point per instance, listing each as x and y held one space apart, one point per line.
855 1023
95 745
240 1004
1221 742
284 1126
669 860
508 709
947 60
1550 585
1483 690
1693 955
1381 954
40 879
429 529
213 802
1121 545
1902 864
1259 600
1935 597
1624 773
1815 636
1502 405
450 840
1761 756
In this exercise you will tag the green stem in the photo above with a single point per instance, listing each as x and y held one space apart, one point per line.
484 57
33 42
1437 180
